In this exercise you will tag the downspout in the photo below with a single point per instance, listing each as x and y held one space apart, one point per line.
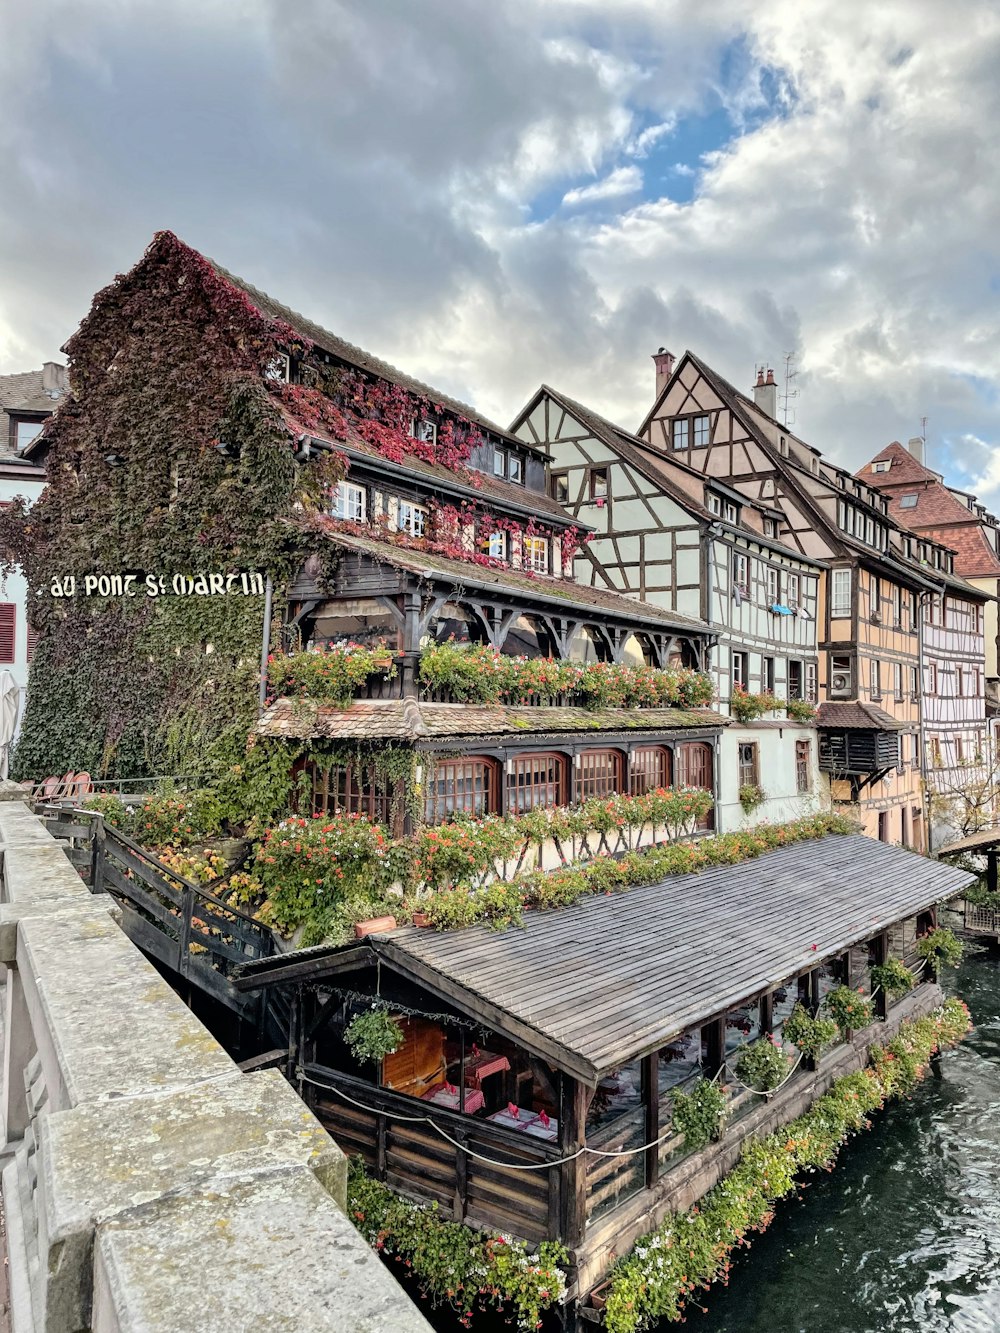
921 738
265 643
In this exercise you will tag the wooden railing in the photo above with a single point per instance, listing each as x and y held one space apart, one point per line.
194 933
412 1157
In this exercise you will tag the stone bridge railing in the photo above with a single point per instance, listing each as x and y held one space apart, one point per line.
148 1183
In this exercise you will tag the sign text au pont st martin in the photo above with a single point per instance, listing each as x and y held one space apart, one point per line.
162 585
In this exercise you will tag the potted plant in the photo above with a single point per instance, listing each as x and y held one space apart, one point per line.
700 1115
763 1065
850 1008
373 1034
809 1034
376 925
893 977
751 796
940 948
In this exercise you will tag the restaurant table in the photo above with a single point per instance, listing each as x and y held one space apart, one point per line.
526 1122
482 1065
445 1094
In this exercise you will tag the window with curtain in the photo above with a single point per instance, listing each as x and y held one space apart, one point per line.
650 768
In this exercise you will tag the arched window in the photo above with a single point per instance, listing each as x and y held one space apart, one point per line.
636 651
536 780
599 773
651 767
468 786
587 646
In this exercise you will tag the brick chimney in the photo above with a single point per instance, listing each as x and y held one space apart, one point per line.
664 362
916 447
765 393
53 379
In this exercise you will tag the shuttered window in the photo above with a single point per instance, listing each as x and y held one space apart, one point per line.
32 642
8 631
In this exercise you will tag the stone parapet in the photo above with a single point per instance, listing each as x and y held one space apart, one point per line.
149 1183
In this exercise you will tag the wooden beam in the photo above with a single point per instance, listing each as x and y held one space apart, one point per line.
573 1113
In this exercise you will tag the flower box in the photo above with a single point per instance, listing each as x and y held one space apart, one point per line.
376 925
421 919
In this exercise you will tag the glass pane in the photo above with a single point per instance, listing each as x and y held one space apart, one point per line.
742 1026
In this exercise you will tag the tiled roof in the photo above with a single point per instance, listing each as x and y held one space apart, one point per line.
486 486
975 558
935 505
563 593
410 719
904 468
853 715
356 356
24 393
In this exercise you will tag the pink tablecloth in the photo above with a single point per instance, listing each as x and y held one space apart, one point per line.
527 1122
478 1067
444 1095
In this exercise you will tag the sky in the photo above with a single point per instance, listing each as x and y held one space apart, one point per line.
492 195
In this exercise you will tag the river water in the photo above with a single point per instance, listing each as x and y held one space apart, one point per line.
904 1234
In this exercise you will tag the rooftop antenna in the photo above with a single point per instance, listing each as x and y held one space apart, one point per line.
923 436
789 394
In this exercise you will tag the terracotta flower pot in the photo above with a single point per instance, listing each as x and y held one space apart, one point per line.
599 1296
421 919
376 925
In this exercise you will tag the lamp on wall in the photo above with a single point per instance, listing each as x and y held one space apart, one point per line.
114 460
226 449
304 452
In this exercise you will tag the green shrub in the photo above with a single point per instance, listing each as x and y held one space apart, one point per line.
700 1115
809 1034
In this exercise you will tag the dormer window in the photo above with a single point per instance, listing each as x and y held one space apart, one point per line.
770 527
730 512
279 368
509 464
348 502
908 502
814 465
560 488
714 504
424 430
883 465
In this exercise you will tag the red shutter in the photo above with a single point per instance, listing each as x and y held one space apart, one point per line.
32 642
8 622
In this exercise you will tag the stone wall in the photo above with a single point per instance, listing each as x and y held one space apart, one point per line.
148 1183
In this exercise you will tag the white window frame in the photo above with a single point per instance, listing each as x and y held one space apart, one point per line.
897 680
840 594
279 369
773 586
411 518
349 502
680 432
714 505
739 665
811 683
731 512
875 679
419 427
497 548
792 591
741 573
882 466
769 530
536 554
701 424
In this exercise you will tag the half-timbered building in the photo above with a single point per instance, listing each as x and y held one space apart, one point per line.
957 539
534 1089
870 595
674 539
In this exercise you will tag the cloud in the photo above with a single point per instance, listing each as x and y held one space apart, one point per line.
423 179
623 180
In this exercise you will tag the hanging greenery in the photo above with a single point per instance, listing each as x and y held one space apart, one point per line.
851 1009
893 976
811 1035
700 1115
941 947
762 1065
373 1034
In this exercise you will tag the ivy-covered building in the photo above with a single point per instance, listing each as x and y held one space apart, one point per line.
408 551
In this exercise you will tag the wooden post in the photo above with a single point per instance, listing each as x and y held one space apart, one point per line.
573 1126
97 857
651 1099
184 942
461 1178
881 943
